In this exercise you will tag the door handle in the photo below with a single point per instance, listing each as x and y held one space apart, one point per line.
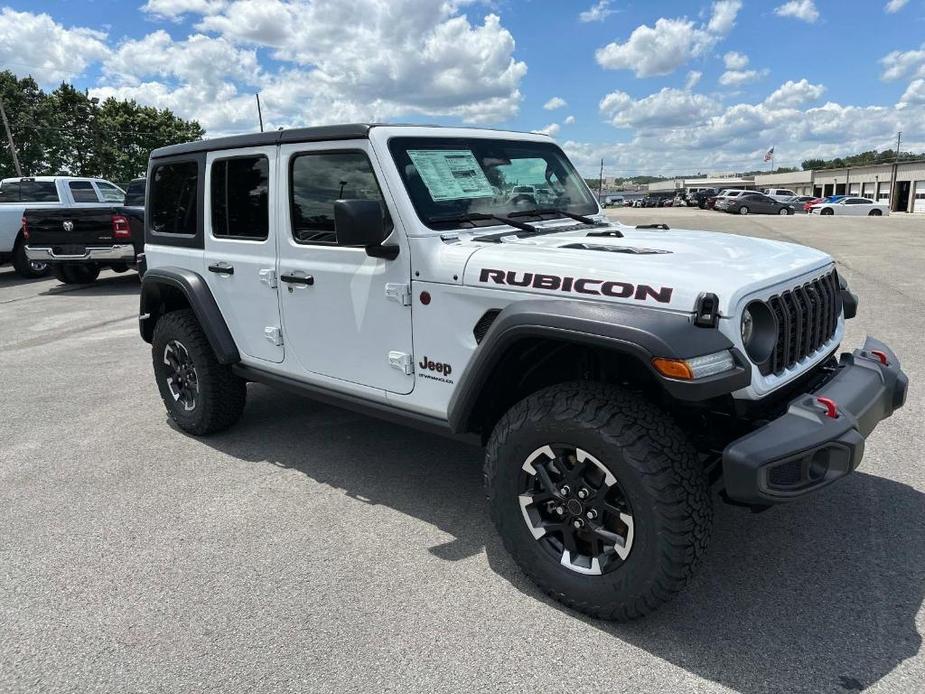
222 268
298 279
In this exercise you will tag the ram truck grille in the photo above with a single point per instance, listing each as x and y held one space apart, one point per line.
807 317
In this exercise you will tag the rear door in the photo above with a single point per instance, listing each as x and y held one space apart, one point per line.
240 247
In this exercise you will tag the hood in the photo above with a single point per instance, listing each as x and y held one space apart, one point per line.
663 269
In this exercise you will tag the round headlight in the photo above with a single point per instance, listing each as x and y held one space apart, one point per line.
759 331
748 327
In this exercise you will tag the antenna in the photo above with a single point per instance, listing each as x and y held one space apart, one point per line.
259 112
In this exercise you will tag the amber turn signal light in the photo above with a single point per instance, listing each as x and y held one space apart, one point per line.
673 368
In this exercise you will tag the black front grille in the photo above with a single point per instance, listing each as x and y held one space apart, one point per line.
807 317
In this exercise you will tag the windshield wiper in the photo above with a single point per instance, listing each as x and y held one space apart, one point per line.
554 210
482 216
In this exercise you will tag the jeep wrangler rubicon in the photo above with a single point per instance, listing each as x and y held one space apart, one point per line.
613 373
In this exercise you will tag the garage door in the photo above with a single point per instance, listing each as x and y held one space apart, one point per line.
854 189
919 206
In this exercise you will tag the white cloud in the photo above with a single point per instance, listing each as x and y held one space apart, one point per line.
664 109
914 94
736 78
900 64
804 10
552 130
661 49
693 78
569 120
792 94
554 103
37 45
598 12
735 60
175 9
895 5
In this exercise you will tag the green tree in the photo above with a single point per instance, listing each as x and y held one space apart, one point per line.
68 132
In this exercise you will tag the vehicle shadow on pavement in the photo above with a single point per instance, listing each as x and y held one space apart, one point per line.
9 278
117 285
818 595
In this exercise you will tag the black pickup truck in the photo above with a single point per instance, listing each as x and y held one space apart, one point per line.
79 242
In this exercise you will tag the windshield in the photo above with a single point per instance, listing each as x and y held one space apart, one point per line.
449 179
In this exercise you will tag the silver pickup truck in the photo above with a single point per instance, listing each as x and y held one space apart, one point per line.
18 194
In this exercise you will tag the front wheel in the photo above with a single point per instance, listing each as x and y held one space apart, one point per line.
784 211
599 497
828 211
743 210
201 395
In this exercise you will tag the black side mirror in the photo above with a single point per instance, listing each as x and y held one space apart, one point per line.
363 223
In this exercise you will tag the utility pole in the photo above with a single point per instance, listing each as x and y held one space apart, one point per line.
259 112
9 137
600 183
899 139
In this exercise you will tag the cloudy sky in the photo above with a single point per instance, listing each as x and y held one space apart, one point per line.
667 87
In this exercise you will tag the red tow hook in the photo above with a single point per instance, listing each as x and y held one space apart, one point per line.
831 409
881 356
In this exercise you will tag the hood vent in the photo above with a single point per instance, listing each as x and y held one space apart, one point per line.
615 249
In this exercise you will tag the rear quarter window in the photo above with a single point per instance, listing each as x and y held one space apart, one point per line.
174 208
82 191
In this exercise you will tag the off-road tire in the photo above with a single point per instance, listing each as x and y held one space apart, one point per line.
76 274
221 394
655 466
24 267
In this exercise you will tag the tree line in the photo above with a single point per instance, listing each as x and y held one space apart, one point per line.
887 156
66 132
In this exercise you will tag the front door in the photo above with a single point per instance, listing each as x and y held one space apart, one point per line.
346 315
240 247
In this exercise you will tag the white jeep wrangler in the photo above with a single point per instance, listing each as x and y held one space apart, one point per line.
613 373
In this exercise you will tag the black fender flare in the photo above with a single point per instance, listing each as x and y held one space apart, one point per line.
158 282
637 331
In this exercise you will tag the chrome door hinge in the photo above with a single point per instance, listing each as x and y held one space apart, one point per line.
274 335
398 292
268 277
402 362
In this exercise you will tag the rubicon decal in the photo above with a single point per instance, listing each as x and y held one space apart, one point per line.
577 285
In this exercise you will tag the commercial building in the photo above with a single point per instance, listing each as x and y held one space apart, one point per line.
906 180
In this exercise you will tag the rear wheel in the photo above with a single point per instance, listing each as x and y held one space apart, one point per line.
599 497
743 209
29 269
76 274
874 213
201 395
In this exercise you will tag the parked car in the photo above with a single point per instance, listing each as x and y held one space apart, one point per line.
798 202
858 207
613 201
757 203
724 200
779 194
607 406
78 243
700 197
44 192
808 205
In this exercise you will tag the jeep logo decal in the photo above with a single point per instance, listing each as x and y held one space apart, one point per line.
442 369
581 285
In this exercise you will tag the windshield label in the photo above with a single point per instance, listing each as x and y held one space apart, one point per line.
451 174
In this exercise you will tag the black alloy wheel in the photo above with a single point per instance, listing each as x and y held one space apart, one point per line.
574 507
181 375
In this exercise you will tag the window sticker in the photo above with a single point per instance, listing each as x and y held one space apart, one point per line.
451 174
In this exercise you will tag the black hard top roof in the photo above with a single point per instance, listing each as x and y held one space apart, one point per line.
322 133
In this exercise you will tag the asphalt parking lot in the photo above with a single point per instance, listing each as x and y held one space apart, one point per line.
313 549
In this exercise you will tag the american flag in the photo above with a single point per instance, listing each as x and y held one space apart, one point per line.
769 155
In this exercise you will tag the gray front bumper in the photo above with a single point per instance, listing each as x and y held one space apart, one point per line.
120 253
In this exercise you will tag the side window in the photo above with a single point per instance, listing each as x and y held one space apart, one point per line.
110 193
240 198
173 198
82 191
38 191
316 181
135 193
